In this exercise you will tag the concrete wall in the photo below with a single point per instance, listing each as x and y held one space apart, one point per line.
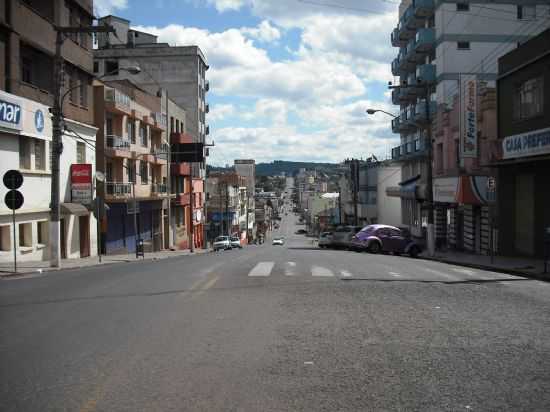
389 208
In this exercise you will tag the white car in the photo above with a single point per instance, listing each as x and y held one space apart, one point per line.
236 242
278 241
222 243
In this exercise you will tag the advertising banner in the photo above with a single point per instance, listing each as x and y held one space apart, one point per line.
468 118
532 143
81 183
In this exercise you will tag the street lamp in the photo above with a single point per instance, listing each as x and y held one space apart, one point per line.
373 111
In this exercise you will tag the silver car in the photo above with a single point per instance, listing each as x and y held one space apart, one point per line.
325 239
222 243
236 242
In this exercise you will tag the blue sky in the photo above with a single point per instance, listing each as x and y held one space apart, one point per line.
289 79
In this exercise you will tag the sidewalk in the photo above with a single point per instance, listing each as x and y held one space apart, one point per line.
6 269
521 266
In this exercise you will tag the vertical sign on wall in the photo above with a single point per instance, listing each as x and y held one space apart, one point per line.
468 115
81 183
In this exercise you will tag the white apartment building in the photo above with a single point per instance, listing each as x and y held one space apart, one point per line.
25 145
442 44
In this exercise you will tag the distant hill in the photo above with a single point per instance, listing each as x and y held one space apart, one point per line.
290 168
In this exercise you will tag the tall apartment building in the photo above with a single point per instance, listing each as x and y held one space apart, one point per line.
449 48
181 71
247 169
27 49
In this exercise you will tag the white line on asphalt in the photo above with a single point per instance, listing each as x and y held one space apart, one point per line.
321 271
292 263
465 271
345 274
262 269
395 274
445 275
289 271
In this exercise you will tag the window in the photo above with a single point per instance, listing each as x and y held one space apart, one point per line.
462 7
143 135
144 172
83 91
80 152
463 45
39 154
24 152
439 158
111 67
109 171
43 228
25 234
131 171
96 67
71 75
5 238
526 12
529 99
130 130
26 69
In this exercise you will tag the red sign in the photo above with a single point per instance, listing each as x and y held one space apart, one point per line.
81 183
81 173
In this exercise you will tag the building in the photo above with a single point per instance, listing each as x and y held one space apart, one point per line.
27 47
181 72
132 152
523 188
388 208
359 191
445 49
247 169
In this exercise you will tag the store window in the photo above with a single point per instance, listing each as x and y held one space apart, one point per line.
529 99
25 234
43 228
24 152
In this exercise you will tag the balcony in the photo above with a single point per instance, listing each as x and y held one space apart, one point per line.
180 169
411 22
118 190
182 199
420 112
117 146
159 120
117 101
414 56
404 65
423 8
395 70
425 40
158 189
426 72
207 109
396 39
207 132
207 86
180 138
410 150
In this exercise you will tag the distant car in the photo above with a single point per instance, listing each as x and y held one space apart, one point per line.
325 239
342 237
236 242
384 238
278 241
222 243
301 232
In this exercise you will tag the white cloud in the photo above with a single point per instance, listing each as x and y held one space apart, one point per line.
106 7
265 32
221 111
225 5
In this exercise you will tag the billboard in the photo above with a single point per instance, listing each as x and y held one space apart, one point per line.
81 183
468 118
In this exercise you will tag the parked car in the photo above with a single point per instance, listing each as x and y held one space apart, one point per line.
325 239
384 238
222 243
278 241
301 232
342 236
236 242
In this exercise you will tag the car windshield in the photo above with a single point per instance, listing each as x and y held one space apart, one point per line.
221 238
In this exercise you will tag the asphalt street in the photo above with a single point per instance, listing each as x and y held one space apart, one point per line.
275 328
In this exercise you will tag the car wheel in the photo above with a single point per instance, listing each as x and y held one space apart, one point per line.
374 247
414 251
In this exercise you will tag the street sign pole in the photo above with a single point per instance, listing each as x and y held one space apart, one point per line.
14 245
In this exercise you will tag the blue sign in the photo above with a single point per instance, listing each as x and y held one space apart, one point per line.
39 120
10 114
532 143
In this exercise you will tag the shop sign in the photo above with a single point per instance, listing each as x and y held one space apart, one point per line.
81 183
468 120
469 190
10 112
526 144
445 189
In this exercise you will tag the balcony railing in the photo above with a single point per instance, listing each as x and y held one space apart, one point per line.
425 40
117 97
207 132
409 150
410 20
207 85
395 125
420 112
426 72
395 70
159 188
118 189
117 142
423 8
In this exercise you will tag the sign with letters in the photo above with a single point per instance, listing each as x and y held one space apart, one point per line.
532 143
468 119
81 183
11 113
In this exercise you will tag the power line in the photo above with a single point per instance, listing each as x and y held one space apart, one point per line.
342 7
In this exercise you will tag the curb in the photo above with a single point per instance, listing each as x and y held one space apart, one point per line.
538 276
8 275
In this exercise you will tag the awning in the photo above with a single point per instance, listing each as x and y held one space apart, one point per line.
408 188
469 190
76 209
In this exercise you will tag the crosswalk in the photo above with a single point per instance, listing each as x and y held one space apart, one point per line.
416 272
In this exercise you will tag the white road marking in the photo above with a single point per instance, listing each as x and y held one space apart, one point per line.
442 274
345 274
292 263
465 271
262 269
395 274
321 271
289 271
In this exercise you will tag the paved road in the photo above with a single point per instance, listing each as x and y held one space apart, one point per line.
271 328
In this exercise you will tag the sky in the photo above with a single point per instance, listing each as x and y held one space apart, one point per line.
289 79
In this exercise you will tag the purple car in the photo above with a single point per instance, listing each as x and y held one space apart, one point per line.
384 238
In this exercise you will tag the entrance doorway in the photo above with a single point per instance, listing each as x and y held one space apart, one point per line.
84 231
63 239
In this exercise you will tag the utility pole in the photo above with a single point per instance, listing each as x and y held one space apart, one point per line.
429 177
191 201
57 133
355 180
227 209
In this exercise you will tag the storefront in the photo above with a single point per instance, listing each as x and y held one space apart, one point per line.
462 213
